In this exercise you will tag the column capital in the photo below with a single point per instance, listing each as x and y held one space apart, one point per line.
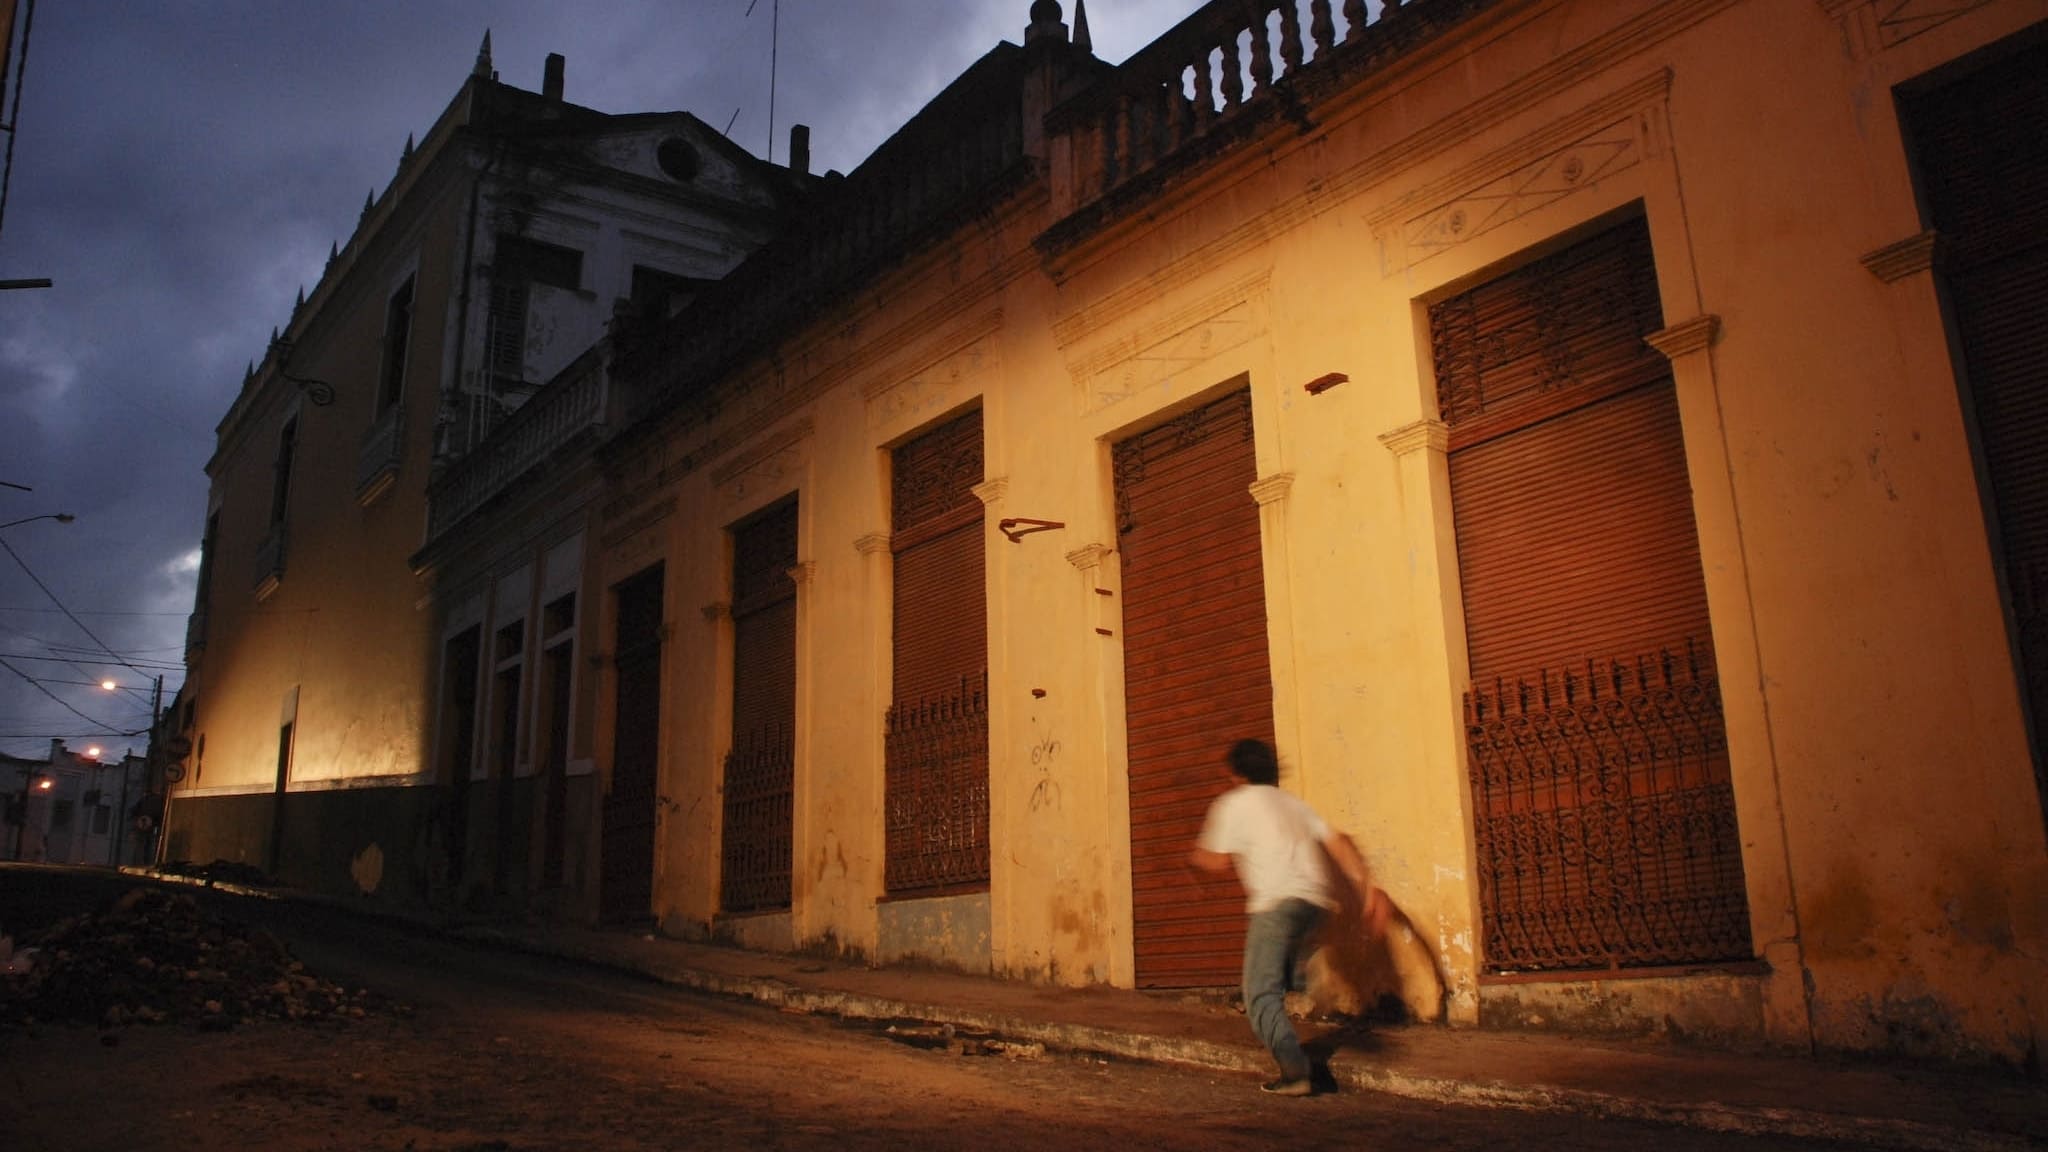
992 491
1686 337
803 572
1272 489
718 610
1895 262
872 543
1434 435
1088 557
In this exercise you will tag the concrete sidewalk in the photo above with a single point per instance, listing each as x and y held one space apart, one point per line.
1876 1105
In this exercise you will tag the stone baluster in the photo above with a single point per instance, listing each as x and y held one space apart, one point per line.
1262 55
1207 76
1354 19
1322 27
1290 36
1180 111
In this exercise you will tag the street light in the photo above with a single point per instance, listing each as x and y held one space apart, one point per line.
59 517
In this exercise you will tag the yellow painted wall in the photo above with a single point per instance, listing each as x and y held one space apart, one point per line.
1892 837
330 627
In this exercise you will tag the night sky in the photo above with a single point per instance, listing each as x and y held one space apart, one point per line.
180 170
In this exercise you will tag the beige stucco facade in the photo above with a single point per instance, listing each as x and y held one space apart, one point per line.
1891 832
1008 253
359 510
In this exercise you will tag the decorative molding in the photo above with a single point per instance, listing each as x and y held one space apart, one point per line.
718 610
1156 353
1895 262
768 465
803 572
1687 337
950 345
768 446
1089 557
1272 489
871 544
1078 325
1434 435
1875 25
1606 137
992 491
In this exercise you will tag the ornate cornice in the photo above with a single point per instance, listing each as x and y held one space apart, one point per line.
803 572
718 610
1683 339
1895 262
1272 489
872 543
991 491
1434 435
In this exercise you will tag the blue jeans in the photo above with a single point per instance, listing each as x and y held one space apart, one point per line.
1272 944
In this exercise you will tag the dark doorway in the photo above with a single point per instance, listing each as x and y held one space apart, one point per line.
626 870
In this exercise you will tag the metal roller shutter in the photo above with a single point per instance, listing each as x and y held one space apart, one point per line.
1604 818
760 771
936 742
1983 160
1196 673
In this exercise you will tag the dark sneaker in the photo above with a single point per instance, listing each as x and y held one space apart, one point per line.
1301 1086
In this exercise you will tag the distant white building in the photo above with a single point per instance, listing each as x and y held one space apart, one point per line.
73 807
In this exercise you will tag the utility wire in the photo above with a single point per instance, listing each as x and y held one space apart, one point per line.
66 704
160 665
67 612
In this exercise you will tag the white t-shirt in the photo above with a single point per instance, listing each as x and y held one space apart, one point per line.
1275 840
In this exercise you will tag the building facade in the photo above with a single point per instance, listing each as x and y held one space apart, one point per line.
1540 419
520 232
1593 442
74 808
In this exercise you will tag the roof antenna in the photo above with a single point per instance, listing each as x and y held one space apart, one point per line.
774 50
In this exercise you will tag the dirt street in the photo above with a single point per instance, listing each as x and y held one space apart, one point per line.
475 1049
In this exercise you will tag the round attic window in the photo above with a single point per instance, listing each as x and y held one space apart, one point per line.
677 158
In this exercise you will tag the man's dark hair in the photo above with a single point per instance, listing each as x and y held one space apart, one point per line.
1254 760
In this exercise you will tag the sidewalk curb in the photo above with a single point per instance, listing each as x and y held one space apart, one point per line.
1898 1135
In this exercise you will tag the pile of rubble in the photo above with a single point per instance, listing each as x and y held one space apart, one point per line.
155 957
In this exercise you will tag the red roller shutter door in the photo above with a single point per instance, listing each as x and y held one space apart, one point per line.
936 741
760 771
1604 817
1196 673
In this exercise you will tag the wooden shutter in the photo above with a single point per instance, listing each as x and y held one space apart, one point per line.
1196 673
760 771
936 741
1604 818
1983 158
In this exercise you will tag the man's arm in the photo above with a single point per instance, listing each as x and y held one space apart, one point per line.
1351 862
1207 861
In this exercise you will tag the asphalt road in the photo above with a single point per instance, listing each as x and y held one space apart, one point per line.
500 1051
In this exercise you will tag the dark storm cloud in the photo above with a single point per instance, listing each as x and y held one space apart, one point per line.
181 169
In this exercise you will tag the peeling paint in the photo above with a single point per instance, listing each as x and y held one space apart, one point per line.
368 869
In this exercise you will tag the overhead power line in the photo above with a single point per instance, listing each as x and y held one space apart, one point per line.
67 612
